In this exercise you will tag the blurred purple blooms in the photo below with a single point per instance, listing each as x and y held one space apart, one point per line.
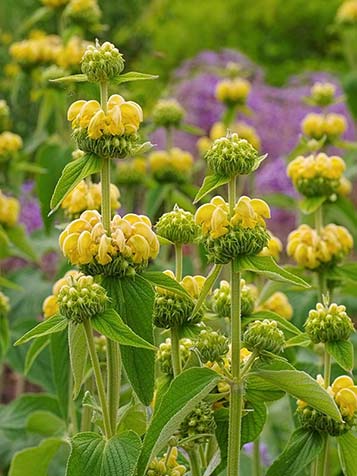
30 215
263 450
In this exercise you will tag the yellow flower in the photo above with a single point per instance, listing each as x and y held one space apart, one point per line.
9 210
331 125
346 399
274 247
213 217
279 303
344 381
233 90
250 212
347 13
50 306
193 285
9 142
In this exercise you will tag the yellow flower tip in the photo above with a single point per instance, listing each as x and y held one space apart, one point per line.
346 399
74 109
97 125
344 381
115 100
140 248
50 306
244 354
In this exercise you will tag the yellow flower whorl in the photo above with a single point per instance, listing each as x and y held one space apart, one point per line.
331 125
9 210
174 165
233 91
278 303
9 143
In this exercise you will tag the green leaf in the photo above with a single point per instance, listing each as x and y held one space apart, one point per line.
283 323
210 183
211 279
266 266
36 347
309 205
301 340
133 299
347 452
184 393
6 283
35 461
45 423
133 76
72 174
111 325
253 422
93 455
303 447
342 352
18 237
300 385
259 390
61 369
78 354
49 326
258 161
347 271
132 416
72 78
157 278
4 336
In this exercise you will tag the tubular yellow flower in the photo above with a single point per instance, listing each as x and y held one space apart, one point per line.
279 303
273 248
50 304
37 49
9 210
347 13
233 91
9 143
331 125
174 165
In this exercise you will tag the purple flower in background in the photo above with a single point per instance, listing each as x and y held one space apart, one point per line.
30 214
263 449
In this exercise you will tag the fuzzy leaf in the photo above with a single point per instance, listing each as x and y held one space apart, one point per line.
157 278
184 393
92 454
133 76
49 326
78 354
36 347
72 78
72 174
210 183
347 452
342 352
309 205
266 266
301 340
211 279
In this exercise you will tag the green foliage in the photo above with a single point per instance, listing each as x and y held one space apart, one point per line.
342 352
49 326
347 451
78 352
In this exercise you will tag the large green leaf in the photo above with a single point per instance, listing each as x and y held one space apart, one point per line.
342 352
309 205
132 416
45 423
78 354
211 279
184 393
49 326
347 452
36 347
18 237
303 447
72 174
210 183
72 78
61 369
259 390
133 299
111 325
133 76
300 385
266 266
157 278
93 455
253 422
35 461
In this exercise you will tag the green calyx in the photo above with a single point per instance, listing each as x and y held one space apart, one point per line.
199 421
237 242
108 146
317 187
212 346
120 267
171 310
164 354
231 156
317 421
221 300
328 324
102 63
168 113
177 226
81 298
263 336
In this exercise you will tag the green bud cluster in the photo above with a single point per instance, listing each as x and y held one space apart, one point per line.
178 226
264 336
164 354
102 62
172 310
212 346
120 267
328 324
4 305
168 113
108 146
317 421
317 187
221 300
231 156
81 298
198 422
237 242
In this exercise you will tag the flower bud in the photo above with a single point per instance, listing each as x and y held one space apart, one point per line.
264 336
10 143
177 226
4 305
81 298
199 421
323 94
168 113
212 346
102 62
164 354
273 248
221 299
328 324
230 156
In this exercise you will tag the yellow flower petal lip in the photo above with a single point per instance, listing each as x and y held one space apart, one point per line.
219 223
84 243
132 218
204 213
119 239
115 100
170 274
104 249
346 399
69 247
91 216
344 381
114 124
140 248
50 306
261 207
97 125
219 201
133 110
78 225
87 112
74 109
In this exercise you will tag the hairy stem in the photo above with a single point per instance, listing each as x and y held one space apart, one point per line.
256 458
98 377
175 351
178 261
195 462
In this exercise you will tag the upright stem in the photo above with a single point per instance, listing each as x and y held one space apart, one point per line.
169 138
256 458
113 351
321 465
236 395
178 261
318 220
175 339
321 275
98 377
195 461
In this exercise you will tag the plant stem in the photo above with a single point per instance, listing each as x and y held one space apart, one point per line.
178 259
195 462
321 464
175 351
319 220
256 458
98 377
236 395
169 138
